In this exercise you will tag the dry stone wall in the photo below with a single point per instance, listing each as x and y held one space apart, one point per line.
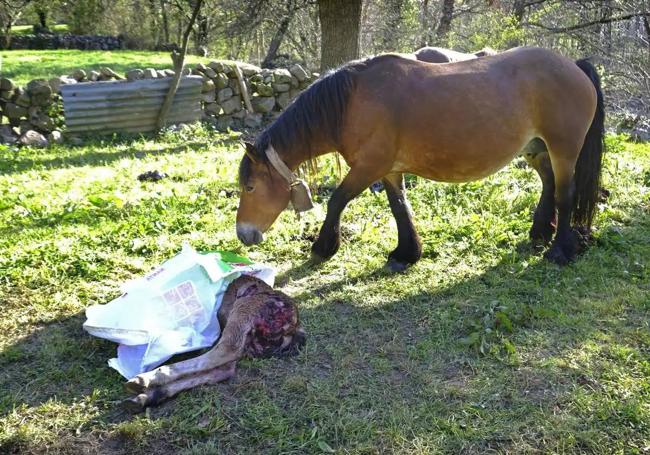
32 115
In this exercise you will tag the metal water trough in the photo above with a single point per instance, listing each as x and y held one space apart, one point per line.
120 106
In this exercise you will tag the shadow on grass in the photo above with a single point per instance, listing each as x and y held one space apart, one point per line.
93 158
376 368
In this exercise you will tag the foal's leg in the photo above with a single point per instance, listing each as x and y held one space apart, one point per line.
154 395
565 246
409 246
358 179
541 233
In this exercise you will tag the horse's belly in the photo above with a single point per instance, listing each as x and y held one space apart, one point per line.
458 166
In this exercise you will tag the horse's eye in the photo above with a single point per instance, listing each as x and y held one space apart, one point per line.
250 189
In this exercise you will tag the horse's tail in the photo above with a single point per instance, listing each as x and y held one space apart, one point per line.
588 167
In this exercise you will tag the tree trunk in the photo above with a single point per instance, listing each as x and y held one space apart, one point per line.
444 26
201 43
391 31
277 38
165 21
340 22
425 38
42 19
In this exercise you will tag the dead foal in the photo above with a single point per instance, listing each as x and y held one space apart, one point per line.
256 321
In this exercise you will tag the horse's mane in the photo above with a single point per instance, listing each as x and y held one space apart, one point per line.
316 113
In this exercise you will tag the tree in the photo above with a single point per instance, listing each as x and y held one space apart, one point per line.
444 26
340 22
10 12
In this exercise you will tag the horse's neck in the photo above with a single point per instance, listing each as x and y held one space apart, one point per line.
295 156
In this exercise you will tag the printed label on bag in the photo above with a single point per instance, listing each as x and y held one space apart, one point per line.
183 302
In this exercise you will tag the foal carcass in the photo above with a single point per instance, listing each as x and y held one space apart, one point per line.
256 321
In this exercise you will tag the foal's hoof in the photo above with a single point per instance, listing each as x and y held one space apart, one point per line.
317 259
395 266
135 385
556 255
136 404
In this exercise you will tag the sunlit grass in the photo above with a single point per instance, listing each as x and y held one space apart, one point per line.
482 346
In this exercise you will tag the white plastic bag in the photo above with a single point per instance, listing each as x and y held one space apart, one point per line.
171 310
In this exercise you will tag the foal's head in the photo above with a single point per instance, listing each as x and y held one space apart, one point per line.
264 194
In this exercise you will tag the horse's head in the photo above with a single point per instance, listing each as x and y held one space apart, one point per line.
264 194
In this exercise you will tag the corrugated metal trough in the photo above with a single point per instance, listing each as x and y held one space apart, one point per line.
115 106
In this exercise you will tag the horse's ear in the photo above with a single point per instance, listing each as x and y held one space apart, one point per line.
249 150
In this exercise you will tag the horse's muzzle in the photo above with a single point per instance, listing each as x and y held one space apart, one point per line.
249 234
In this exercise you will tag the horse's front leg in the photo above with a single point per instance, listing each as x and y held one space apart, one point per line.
328 241
409 246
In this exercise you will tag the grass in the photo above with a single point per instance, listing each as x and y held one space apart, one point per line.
24 66
29 29
482 346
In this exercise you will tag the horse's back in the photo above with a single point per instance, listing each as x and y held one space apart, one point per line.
445 119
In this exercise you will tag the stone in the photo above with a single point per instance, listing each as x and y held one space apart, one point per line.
282 76
208 85
231 105
160 74
25 126
293 93
212 109
299 72
150 73
39 87
264 89
170 73
8 135
234 86
42 100
256 78
295 83
210 72
283 100
229 70
78 75
6 84
263 103
34 139
249 70
42 123
224 122
216 66
221 81
200 67
5 95
280 88
55 137
253 120
109 73
209 97
76 141
304 85
23 100
224 94
57 82
268 79
134 75
186 71
93 76
14 111
239 115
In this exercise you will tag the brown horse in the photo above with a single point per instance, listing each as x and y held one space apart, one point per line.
456 122
441 55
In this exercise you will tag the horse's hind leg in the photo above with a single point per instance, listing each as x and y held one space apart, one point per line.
409 246
541 233
565 246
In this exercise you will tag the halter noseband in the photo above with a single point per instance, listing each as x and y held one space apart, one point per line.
300 195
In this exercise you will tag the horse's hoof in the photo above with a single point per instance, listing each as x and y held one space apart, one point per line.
557 256
316 259
137 404
395 266
135 385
